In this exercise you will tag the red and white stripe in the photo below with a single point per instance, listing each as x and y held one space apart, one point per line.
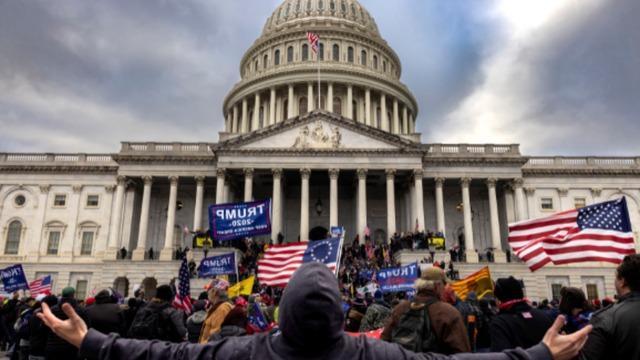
558 239
280 262
313 40
40 286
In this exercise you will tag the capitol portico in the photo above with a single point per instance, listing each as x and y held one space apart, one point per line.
354 161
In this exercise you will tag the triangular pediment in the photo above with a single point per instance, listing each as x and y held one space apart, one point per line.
320 131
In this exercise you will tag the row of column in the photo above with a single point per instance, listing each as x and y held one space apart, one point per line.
400 123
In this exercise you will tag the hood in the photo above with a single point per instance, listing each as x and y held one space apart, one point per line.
311 316
198 317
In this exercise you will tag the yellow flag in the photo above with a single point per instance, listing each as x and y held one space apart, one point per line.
479 281
244 287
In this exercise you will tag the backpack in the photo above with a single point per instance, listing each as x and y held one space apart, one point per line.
152 323
413 332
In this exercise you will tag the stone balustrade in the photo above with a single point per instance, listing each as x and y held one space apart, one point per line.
57 159
583 162
164 148
473 149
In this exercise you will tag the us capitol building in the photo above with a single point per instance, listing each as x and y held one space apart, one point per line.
356 161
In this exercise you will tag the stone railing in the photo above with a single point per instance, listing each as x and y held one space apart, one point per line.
174 148
583 162
55 159
473 149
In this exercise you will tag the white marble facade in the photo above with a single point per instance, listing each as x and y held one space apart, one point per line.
357 161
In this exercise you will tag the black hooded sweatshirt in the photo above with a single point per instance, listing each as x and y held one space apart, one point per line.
311 325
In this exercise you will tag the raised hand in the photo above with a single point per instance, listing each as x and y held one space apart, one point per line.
565 347
72 330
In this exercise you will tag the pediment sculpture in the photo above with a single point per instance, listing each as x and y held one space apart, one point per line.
317 137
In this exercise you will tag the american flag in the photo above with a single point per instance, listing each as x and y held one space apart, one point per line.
41 286
313 40
600 232
281 261
182 300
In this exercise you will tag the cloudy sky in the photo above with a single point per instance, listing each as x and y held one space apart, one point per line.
557 76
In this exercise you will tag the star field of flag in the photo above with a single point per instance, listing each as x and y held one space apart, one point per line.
609 215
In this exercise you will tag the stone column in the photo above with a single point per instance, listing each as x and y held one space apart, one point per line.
143 228
333 197
256 113
330 97
350 102
496 241
472 255
197 211
413 213
362 202
245 116
405 120
272 107
529 193
220 174
248 185
391 203
116 222
384 119
440 205
367 107
235 125
276 211
520 204
304 204
310 101
417 178
396 117
167 252
290 102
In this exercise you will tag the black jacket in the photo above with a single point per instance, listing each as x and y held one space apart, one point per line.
38 333
616 331
107 318
519 326
57 348
311 325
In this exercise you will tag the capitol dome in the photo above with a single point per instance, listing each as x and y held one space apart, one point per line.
360 72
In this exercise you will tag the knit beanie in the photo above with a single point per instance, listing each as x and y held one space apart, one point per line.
508 289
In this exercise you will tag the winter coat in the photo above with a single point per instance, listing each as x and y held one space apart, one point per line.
57 348
107 318
38 333
213 322
520 325
311 328
615 331
194 325
446 323
375 317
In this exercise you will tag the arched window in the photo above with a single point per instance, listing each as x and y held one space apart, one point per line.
337 106
255 66
250 120
265 61
350 54
384 66
375 62
302 106
378 118
363 58
285 109
305 52
336 52
321 51
261 118
276 57
13 238
290 54
320 4
354 106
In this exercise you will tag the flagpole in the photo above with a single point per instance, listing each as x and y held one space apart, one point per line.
318 57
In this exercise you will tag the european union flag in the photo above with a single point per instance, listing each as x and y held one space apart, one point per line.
323 251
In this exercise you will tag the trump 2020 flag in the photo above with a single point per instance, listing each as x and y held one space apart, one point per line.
281 261
599 232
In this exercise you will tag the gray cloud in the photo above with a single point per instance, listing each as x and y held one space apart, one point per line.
82 76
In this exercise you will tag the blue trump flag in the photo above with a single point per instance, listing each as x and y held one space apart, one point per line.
240 220
397 279
218 265
14 279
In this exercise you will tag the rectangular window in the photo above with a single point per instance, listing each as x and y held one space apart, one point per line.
592 291
87 242
555 291
60 200
579 203
81 289
93 201
53 243
546 203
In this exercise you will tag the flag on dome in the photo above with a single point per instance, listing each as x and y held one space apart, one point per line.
182 300
313 40
599 232
281 261
41 286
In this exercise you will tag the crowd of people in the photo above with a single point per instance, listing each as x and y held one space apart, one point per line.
315 312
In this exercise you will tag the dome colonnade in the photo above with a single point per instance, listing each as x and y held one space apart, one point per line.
359 71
